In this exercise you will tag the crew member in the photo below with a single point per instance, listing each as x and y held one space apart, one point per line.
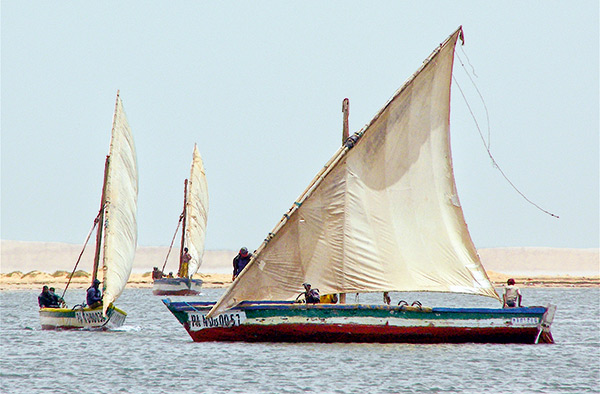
45 300
311 296
240 261
512 295
94 295
185 261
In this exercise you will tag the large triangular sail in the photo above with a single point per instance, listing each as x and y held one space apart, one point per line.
383 215
196 213
120 212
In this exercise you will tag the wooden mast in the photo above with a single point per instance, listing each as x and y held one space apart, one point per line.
100 222
345 128
345 135
181 273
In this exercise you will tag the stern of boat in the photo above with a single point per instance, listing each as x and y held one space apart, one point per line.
544 334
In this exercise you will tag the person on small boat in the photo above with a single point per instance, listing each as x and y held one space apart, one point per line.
185 261
170 275
94 295
240 261
512 295
45 299
311 296
57 301
386 298
156 274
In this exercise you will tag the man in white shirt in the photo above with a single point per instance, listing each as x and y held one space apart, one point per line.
512 295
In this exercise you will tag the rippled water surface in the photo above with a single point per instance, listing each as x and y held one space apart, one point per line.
152 353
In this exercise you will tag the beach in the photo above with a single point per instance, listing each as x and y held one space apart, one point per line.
30 265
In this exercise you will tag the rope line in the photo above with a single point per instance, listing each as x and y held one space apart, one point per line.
492 157
172 241
487 115
96 219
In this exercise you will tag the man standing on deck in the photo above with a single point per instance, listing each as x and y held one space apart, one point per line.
185 261
240 261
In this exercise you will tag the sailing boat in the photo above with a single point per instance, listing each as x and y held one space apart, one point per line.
116 237
382 215
193 219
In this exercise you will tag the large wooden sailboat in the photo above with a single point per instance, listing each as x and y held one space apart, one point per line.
383 215
116 237
193 220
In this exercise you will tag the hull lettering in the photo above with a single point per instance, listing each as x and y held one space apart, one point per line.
199 321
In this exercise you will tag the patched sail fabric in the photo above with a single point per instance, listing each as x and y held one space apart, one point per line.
383 215
120 223
196 213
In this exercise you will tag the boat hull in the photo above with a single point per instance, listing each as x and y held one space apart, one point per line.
81 318
287 322
176 287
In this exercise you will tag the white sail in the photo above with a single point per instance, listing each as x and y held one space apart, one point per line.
382 216
196 213
120 223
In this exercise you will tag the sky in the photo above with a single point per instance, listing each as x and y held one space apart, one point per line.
259 87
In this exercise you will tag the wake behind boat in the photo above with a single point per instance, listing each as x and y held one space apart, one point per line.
383 215
116 237
193 220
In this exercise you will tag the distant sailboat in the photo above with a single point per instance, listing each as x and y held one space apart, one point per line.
116 237
193 219
382 215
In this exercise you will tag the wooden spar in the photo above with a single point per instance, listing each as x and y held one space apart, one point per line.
100 221
341 152
181 273
338 156
345 128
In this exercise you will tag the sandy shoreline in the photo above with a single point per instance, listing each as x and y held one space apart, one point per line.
36 279
30 265
81 280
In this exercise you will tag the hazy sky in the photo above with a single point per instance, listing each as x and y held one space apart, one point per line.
259 87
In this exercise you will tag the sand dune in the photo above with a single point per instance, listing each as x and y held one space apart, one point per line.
54 256
31 264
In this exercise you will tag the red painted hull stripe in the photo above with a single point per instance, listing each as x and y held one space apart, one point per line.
366 333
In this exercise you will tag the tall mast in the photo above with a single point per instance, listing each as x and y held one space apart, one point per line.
100 222
345 111
345 135
183 274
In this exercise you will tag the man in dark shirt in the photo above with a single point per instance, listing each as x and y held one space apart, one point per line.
45 299
311 296
94 295
240 261
156 274
57 301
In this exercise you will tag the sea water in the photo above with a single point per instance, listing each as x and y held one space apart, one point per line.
152 353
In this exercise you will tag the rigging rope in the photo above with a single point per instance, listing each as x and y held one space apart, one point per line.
487 148
172 241
487 115
82 250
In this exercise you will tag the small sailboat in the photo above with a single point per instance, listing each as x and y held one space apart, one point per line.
383 215
116 237
193 221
